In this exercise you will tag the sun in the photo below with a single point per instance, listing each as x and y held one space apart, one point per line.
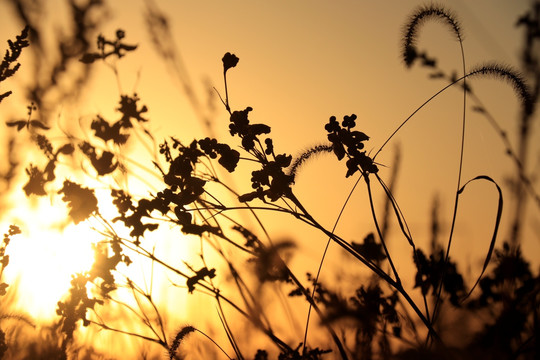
45 255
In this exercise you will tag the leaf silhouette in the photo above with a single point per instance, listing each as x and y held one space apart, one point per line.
67 149
103 130
3 287
127 47
82 201
129 109
200 275
89 58
116 48
370 249
5 95
39 124
36 182
103 164
20 124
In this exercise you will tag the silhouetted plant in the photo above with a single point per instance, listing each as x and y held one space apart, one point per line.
9 65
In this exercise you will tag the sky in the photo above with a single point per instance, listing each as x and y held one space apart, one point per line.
303 61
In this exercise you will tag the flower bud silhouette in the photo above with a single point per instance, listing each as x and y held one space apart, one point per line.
229 61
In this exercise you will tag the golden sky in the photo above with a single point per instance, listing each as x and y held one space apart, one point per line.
303 61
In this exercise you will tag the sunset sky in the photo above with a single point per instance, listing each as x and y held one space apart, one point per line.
301 62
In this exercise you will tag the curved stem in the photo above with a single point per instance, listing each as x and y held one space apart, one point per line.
418 109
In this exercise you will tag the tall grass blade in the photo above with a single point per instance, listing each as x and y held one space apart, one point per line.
495 230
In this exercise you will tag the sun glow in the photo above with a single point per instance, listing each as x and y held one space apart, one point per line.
46 254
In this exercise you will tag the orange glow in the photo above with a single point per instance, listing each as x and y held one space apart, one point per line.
43 258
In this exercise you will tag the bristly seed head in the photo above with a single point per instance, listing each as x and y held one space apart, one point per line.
180 335
417 19
513 77
306 155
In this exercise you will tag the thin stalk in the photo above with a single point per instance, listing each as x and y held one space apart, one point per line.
404 229
243 289
226 102
146 319
420 108
160 318
373 267
215 293
374 216
345 245
310 299
228 331
213 341
315 283
147 338
456 201
292 276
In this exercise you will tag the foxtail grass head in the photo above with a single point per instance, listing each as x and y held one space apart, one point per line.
409 51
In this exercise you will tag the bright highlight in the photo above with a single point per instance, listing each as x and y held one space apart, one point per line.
44 257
